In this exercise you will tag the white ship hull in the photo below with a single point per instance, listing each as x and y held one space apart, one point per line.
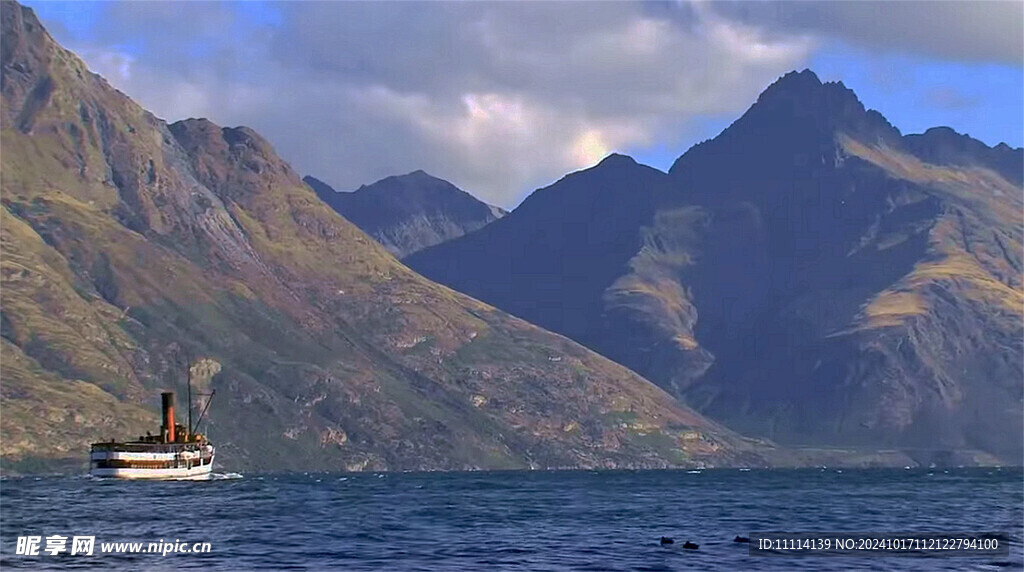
201 473
152 461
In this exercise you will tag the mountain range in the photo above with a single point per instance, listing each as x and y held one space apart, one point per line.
810 275
408 213
129 246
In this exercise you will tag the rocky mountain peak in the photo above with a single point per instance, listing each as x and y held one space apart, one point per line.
194 133
801 99
23 38
940 145
798 114
793 82
805 89
235 162
32 67
409 212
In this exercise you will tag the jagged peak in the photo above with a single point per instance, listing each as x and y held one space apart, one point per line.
949 137
948 134
806 85
793 81
193 133
945 145
18 20
243 135
196 131
195 123
32 65
799 109
805 89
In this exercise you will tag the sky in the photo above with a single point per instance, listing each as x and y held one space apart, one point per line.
501 98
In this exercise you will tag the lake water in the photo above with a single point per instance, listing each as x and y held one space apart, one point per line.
509 520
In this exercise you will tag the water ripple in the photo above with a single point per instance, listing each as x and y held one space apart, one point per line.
509 520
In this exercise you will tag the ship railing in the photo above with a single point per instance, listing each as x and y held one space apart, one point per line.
146 447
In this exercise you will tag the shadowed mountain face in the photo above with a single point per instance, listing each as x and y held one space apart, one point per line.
408 213
809 275
129 245
566 243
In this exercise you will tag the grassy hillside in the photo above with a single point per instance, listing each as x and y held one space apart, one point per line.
130 246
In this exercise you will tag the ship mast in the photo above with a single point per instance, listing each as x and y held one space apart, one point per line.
209 398
189 403
203 369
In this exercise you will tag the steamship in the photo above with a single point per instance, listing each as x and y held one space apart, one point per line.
178 452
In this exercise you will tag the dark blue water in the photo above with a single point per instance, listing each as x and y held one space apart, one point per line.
510 520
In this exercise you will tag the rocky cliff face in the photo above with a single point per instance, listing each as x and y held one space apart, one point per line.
129 245
408 213
809 275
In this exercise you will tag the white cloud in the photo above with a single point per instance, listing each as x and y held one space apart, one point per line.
964 30
497 97
115 66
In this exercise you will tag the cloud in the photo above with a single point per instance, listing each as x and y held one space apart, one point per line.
959 30
497 97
